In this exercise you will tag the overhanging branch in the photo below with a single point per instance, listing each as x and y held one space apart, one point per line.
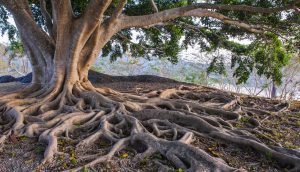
200 10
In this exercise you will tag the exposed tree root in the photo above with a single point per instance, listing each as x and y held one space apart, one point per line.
164 122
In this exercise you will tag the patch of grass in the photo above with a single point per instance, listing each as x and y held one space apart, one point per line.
23 138
39 150
238 125
158 156
298 123
180 170
143 162
245 119
28 161
268 156
13 154
85 169
64 166
61 157
73 159
213 149
104 144
124 155
60 142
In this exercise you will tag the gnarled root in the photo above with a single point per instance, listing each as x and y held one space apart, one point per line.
164 122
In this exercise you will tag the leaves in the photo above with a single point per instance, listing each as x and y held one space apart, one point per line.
180 170
213 149
124 155
13 138
73 159
23 138
85 169
28 161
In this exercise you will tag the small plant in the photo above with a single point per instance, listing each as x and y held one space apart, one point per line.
64 166
23 138
60 142
180 170
39 150
158 156
28 161
269 156
61 157
238 125
77 125
298 123
85 169
104 144
245 119
214 150
73 159
124 155
13 154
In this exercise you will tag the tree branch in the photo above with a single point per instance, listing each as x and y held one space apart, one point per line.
91 19
118 10
247 8
94 45
153 5
199 10
226 20
47 18
94 12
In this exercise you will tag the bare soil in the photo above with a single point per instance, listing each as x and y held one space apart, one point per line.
25 154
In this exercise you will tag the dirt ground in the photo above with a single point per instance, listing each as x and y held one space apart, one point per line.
24 154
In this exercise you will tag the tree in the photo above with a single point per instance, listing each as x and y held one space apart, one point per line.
62 39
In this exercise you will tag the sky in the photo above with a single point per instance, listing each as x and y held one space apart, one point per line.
4 38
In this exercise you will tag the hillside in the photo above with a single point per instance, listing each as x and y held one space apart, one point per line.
273 123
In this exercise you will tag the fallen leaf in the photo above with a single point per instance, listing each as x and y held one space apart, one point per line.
28 161
124 155
13 138
180 170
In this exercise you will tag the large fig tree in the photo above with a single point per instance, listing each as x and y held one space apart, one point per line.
63 38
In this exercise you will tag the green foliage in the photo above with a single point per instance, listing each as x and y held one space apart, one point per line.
269 57
73 159
16 46
5 26
217 65
269 156
85 169
180 170
196 77
267 52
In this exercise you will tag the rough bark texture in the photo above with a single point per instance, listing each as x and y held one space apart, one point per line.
61 100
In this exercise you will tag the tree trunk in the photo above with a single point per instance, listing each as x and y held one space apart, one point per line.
273 90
